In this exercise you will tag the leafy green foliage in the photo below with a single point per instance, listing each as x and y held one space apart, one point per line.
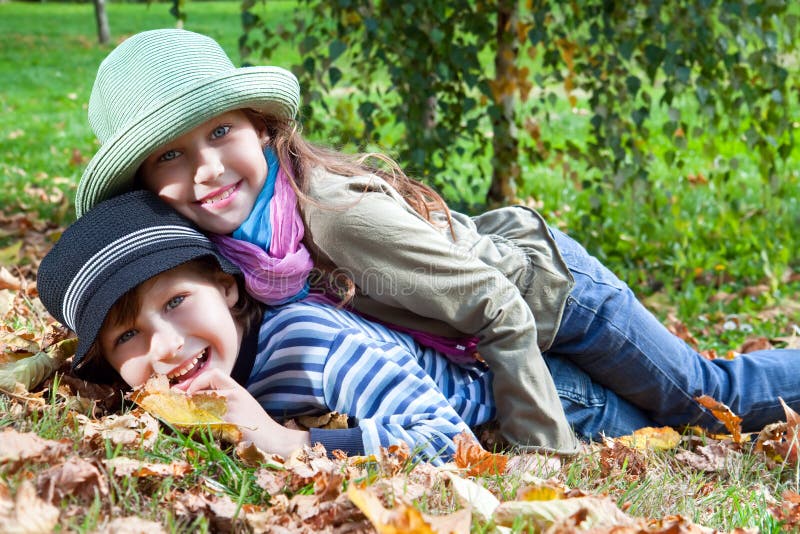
660 134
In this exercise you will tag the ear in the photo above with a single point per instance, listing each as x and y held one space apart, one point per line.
230 289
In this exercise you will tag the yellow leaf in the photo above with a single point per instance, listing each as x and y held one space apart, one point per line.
404 519
184 411
540 493
662 438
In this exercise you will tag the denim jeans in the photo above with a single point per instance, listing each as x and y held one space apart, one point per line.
617 368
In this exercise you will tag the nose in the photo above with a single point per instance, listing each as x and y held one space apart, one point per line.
165 343
209 166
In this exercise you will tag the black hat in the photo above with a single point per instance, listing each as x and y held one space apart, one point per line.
113 248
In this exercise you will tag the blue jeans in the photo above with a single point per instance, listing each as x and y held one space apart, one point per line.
617 368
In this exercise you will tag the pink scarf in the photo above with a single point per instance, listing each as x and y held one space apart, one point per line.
280 274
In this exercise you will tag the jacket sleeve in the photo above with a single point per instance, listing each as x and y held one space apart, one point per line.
391 396
396 257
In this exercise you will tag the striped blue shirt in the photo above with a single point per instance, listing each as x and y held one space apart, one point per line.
313 359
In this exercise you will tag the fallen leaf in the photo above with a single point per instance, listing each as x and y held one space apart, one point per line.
405 519
709 458
755 343
17 449
14 347
788 511
26 512
130 525
184 411
661 438
618 459
479 499
330 421
137 428
252 456
31 371
75 477
129 467
8 280
724 414
599 512
478 461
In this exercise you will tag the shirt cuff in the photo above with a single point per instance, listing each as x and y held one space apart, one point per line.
347 439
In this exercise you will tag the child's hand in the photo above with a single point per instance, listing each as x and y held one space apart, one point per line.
245 411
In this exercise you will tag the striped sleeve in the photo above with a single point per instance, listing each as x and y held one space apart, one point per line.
393 399
314 359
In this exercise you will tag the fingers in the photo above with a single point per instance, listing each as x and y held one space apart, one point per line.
211 380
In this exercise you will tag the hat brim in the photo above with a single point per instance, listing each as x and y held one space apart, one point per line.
129 276
273 91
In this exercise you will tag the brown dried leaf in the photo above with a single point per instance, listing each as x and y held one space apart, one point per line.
137 428
8 280
755 343
128 467
405 519
617 458
131 525
709 458
26 512
478 461
788 511
252 456
661 438
14 347
184 411
331 421
724 414
18 448
594 512
75 477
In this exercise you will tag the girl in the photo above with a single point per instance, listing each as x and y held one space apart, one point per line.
220 145
147 293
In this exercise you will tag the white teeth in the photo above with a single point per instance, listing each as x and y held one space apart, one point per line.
188 368
222 196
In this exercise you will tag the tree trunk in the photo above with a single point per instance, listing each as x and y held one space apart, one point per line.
505 160
103 34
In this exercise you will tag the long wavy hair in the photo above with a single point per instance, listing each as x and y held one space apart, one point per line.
298 157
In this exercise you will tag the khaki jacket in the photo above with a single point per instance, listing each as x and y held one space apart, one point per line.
501 279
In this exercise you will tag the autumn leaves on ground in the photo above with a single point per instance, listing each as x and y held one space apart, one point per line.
81 457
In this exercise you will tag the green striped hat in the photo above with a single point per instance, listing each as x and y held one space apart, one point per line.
158 85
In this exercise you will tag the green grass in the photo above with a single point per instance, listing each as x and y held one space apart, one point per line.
49 57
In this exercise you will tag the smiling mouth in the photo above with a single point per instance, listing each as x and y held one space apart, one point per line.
222 195
188 370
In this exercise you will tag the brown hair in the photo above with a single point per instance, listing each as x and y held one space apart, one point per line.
298 157
247 312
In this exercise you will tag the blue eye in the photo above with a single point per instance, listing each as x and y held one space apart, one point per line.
125 337
169 155
220 131
174 302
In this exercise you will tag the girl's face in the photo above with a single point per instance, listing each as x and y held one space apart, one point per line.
183 328
212 174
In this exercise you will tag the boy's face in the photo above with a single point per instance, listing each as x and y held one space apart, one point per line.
212 174
184 328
